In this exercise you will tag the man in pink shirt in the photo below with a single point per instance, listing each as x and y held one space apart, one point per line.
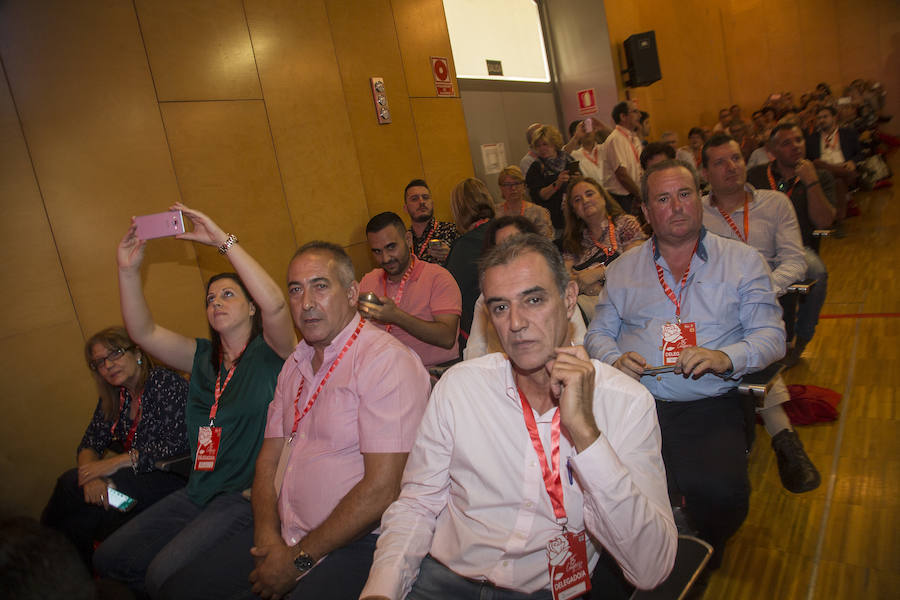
346 408
419 303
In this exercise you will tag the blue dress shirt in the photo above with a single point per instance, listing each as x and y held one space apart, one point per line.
728 294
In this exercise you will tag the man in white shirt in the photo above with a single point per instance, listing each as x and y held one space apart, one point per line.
621 157
524 452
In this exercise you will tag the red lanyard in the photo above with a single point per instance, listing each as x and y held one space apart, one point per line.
129 439
593 156
612 238
831 140
477 223
220 387
552 479
297 415
732 224
665 286
628 137
421 250
774 186
403 280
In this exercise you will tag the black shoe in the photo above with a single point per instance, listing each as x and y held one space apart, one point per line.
794 353
798 473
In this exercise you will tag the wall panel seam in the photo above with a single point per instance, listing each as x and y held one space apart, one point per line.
284 199
409 97
337 62
37 183
162 122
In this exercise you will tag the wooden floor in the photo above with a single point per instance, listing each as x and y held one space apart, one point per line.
841 540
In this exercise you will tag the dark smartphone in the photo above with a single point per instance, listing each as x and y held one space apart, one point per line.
598 258
573 168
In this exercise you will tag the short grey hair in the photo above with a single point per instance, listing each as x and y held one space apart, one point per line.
662 166
345 271
520 244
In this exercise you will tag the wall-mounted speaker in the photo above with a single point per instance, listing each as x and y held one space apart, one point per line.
643 62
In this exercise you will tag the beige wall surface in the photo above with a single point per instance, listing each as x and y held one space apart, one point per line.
714 54
257 112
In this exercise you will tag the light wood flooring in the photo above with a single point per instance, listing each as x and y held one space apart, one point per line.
842 540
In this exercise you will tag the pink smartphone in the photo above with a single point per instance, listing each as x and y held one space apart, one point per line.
588 125
159 225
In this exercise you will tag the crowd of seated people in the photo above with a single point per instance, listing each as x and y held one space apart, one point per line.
605 326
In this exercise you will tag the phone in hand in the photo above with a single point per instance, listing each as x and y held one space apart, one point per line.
159 225
370 298
588 125
573 167
119 500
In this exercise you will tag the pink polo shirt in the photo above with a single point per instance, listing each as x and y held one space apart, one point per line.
431 290
373 402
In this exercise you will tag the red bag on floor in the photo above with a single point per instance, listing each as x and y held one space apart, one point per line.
811 404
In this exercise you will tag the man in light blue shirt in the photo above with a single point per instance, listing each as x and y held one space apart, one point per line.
704 307
764 219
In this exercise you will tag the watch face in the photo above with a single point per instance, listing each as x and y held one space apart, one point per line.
304 562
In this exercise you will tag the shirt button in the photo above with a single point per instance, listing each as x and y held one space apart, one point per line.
659 378
529 504
505 563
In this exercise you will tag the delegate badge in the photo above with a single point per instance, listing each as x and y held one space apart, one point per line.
567 561
676 337
207 448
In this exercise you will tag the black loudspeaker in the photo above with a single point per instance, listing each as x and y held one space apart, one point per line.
643 62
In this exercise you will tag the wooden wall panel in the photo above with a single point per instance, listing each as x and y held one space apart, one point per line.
226 168
48 400
306 110
441 129
198 50
715 54
366 45
422 33
41 348
79 77
86 142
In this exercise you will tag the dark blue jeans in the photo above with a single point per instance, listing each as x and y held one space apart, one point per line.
152 547
704 448
222 573
85 523
811 304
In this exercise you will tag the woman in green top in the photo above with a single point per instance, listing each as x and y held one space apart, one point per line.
233 376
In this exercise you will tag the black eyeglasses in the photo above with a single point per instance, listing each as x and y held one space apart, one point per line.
113 356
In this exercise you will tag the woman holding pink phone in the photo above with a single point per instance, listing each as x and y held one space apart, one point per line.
233 375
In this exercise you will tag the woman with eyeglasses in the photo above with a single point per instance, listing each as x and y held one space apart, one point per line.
139 420
233 377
